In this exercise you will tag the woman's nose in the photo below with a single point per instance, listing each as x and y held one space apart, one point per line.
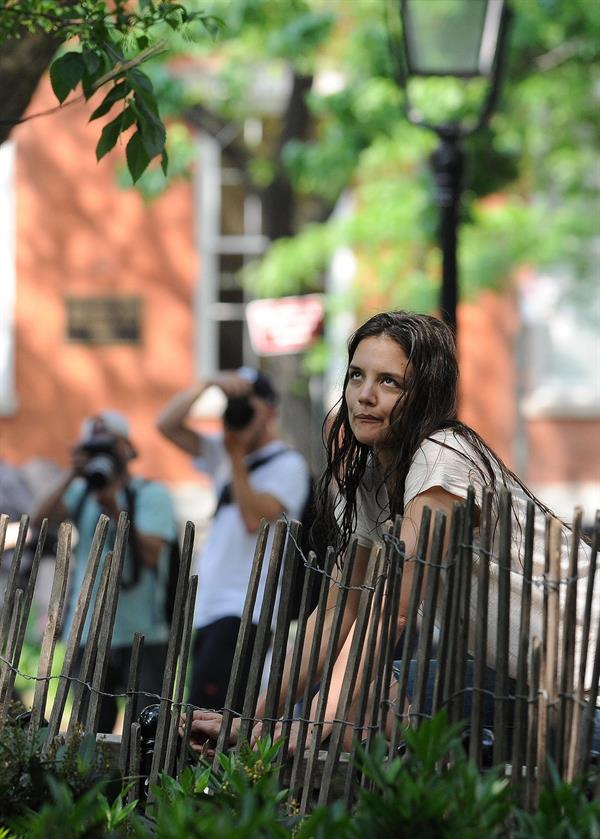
367 393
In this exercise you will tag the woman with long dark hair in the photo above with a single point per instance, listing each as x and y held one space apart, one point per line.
395 446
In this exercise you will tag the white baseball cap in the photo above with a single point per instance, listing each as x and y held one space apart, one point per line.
106 422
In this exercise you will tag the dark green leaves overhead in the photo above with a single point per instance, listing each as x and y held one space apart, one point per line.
114 39
66 73
137 156
119 91
111 131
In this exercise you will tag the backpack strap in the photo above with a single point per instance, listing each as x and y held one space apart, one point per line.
134 544
76 514
226 494
130 500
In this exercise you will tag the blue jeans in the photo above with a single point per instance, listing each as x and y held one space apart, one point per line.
489 679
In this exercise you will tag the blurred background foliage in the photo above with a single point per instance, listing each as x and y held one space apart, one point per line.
531 195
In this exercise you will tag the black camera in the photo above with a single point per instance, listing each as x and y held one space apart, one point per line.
239 413
104 466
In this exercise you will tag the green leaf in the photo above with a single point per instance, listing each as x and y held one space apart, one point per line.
153 139
164 162
119 91
139 81
148 106
66 73
87 84
151 127
137 156
92 61
111 131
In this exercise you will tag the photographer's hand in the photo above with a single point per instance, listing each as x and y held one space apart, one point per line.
253 505
79 458
236 445
51 506
107 500
232 384
173 421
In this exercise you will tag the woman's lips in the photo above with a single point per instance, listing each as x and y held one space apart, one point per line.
366 418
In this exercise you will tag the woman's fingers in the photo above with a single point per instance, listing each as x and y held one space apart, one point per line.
204 730
205 727
256 734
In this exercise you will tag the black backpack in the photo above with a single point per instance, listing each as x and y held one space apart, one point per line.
309 541
174 553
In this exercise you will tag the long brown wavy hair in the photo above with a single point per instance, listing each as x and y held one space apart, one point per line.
428 404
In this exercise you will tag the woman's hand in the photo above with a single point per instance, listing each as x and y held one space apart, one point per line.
205 729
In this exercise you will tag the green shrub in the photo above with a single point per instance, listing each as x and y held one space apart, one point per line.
69 816
241 800
29 777
412 795
431 791
565 811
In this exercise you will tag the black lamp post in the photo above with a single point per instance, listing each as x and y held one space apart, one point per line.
460 39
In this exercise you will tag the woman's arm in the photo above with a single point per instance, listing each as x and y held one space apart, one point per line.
357 579
207 724
436 499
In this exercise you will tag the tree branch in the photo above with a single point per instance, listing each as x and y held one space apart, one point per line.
558 55
202 118
279 199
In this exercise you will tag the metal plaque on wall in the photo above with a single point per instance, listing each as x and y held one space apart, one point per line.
104 320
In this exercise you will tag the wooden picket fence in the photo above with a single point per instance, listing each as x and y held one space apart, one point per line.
545 712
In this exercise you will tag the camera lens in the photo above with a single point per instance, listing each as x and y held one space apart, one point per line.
238 413
101 471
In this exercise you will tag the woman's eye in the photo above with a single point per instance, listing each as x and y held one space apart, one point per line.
387 380
354 374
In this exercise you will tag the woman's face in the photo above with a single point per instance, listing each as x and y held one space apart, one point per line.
376 381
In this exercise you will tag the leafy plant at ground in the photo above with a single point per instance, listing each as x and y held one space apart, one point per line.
27 775
565 811
431 791
67 815
411 795
242 799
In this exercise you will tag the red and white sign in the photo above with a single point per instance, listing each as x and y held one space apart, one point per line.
284 324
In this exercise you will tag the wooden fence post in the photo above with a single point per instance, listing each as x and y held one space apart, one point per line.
242 647
521 706
502 632
325 683
55 610
567 664
481 620
578 748
173 651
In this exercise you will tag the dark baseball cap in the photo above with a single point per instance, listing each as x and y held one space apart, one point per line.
261 384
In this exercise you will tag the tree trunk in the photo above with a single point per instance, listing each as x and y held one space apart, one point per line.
23 61
279 199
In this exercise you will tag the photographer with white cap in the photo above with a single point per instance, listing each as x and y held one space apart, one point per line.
99 482
256 475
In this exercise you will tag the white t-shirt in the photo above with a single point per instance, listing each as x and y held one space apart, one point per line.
450 466
225 561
